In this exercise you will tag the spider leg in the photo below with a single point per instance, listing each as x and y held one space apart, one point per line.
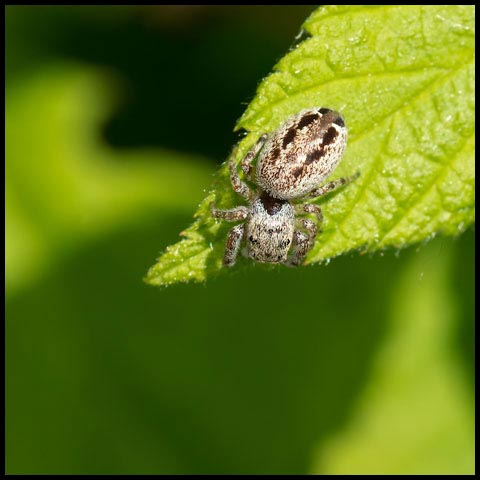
238 185
301 245
234 239
232 215
311 229
331 186
252 153
311 208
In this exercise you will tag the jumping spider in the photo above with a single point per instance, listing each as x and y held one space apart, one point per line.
292 162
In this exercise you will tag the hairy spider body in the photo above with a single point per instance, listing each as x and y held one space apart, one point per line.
301 153
269 229
291 163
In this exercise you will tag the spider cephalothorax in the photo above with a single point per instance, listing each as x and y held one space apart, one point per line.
291 163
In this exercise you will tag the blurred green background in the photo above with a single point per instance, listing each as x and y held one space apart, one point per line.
116 119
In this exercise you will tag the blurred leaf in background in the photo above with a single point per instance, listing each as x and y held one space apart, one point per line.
258 372
416 367
64 187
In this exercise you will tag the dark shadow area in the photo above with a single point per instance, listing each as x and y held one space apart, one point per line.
187 73
243 375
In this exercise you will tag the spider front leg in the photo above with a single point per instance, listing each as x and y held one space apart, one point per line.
302 242
235 235
252 153
301 245
331 186
234 239
308 224
232 215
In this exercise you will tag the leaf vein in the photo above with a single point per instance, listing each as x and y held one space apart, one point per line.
442 171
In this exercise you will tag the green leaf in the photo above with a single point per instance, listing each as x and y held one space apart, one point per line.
403 78
64 186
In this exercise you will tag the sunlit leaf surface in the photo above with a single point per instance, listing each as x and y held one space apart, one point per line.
403 78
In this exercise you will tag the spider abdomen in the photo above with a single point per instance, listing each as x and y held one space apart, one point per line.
301 153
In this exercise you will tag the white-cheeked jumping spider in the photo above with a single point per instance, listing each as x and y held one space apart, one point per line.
291 163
